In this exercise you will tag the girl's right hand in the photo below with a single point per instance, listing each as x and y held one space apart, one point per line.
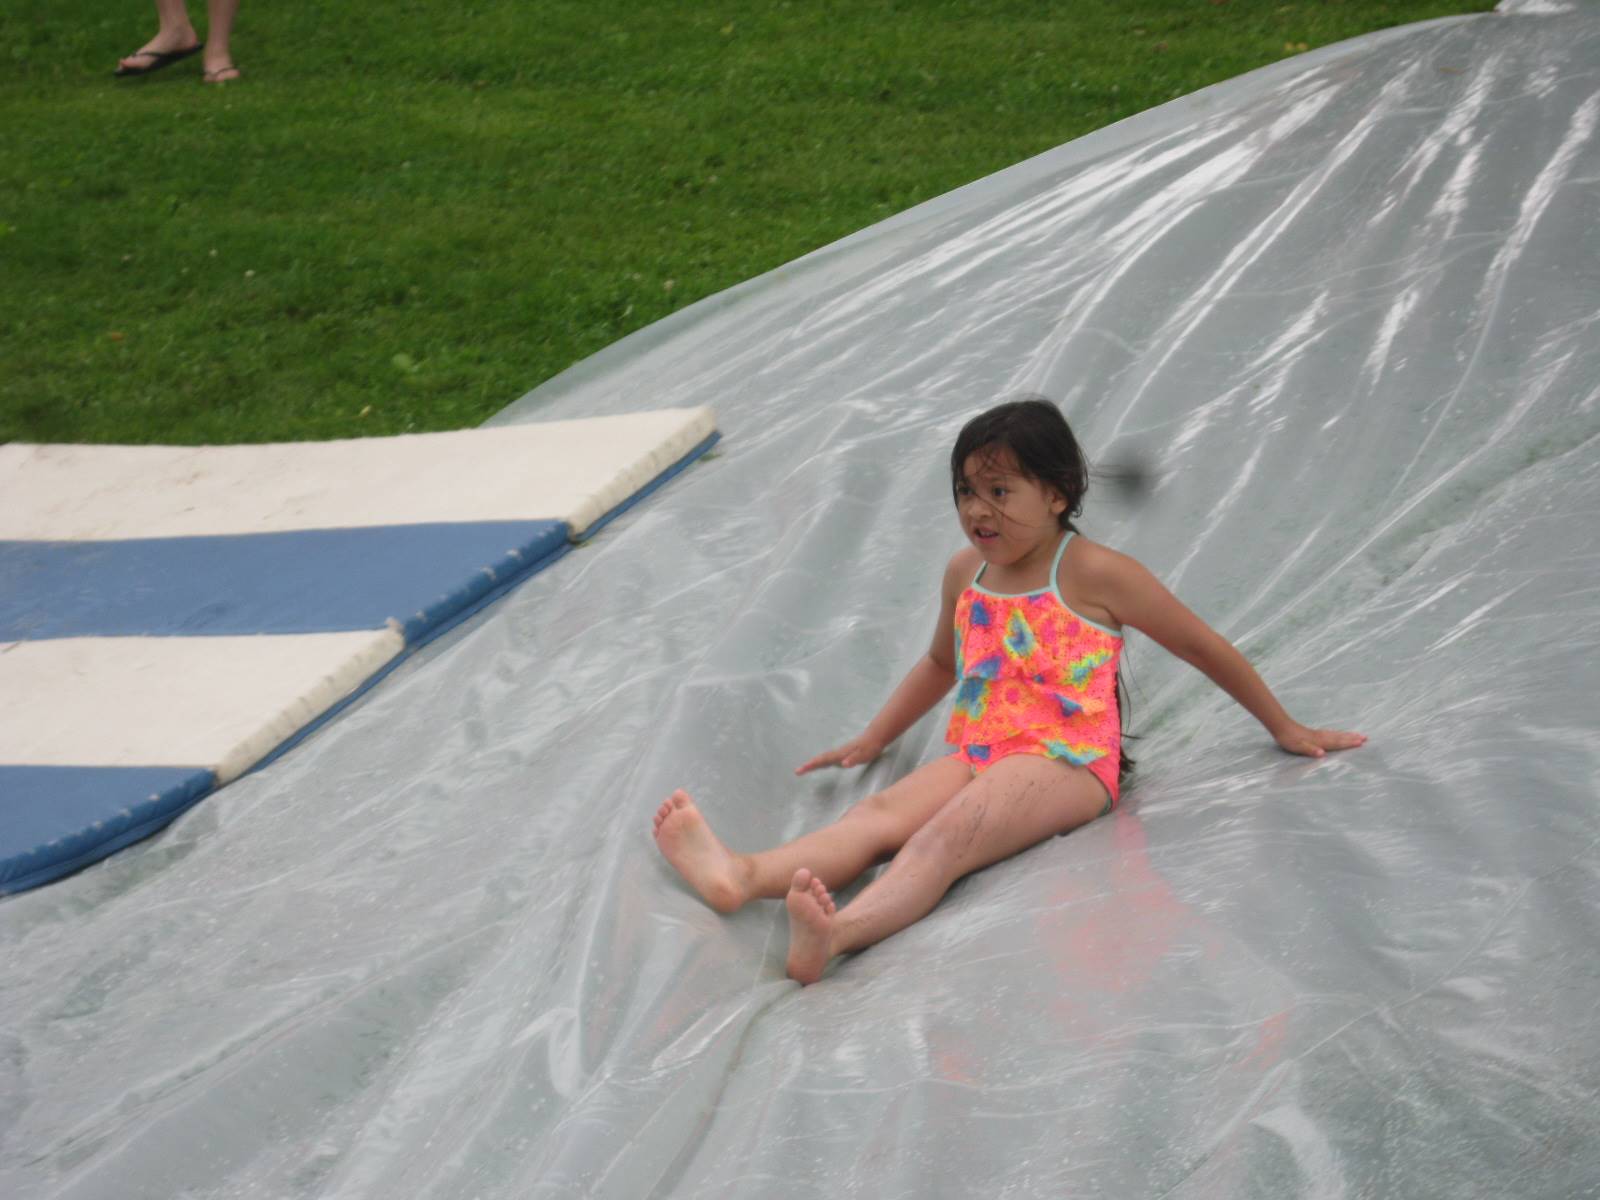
858 751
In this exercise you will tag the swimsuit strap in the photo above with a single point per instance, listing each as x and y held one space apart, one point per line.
1055 563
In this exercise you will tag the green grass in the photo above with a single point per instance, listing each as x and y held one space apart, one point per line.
411 212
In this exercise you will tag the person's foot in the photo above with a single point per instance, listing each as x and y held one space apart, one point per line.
227 73
165 48
708 866
810 927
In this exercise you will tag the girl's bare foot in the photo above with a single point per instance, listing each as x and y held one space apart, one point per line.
810 927
708 866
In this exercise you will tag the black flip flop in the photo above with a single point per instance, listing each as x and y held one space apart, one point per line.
161 58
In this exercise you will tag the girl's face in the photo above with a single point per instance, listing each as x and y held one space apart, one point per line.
1004 513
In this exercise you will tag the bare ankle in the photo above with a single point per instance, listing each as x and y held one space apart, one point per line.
836 944
747 871
744 873
723 889
179 34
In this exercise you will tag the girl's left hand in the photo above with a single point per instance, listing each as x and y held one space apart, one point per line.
1313 743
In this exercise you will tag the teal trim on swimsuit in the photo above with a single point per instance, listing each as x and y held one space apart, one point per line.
973 767
1054 589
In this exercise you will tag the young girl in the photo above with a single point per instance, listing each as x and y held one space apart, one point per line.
1030 626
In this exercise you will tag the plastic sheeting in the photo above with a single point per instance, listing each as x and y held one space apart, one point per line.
1349 309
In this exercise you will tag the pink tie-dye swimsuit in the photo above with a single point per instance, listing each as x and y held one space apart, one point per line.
1035 678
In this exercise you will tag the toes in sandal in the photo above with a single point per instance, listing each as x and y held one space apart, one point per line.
158 59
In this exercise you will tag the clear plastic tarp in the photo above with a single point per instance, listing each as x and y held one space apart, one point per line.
1348 310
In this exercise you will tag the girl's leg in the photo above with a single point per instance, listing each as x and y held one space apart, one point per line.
218 59
1017 803
870 832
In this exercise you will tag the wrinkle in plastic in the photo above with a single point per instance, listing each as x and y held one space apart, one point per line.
1348 308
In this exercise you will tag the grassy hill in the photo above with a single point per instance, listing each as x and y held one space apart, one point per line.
411 212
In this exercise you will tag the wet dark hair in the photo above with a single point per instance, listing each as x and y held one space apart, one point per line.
1040 439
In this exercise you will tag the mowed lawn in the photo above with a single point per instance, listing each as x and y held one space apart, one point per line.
410 212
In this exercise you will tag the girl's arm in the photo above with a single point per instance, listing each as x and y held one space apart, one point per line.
1137 598
924 686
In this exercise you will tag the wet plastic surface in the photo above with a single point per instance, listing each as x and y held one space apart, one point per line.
1349 309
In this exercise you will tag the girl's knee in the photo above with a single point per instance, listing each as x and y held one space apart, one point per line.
875 807
882 821
938 843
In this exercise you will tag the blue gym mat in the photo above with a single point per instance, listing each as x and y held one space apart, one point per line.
139 673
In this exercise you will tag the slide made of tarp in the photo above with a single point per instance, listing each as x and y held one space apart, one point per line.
1348 308
169 616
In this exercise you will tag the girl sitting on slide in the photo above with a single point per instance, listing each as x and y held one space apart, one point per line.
1029 634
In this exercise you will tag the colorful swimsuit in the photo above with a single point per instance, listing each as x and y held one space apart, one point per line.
1035 678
